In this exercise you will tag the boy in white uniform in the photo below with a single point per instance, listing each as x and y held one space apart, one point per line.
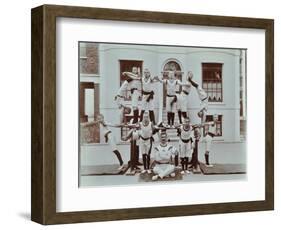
194 161
163 155
171 98
202 96
186 135
109 138
148 95
210 130
145 134
135 87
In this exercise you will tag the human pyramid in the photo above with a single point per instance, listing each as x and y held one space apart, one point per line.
143 128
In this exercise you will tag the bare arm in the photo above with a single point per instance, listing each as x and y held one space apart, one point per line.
91 123
132 75
112 125
156 79
122 125
203 124
161 80
181 83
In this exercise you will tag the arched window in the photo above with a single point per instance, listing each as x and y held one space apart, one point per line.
172 66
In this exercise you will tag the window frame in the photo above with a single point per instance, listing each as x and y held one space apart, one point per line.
220 116
212 90
128 93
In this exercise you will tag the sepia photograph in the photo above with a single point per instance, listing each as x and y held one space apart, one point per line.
161 114
149 114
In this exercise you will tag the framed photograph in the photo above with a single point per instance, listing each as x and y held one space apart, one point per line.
139 114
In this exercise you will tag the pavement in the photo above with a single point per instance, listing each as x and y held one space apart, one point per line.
100 154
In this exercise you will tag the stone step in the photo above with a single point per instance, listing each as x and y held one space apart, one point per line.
172 133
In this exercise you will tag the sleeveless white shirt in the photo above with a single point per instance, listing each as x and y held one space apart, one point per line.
146 84
146 131
185 134
135 84
171 87
164 152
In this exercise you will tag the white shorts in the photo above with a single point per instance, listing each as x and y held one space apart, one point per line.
144 146
111 142
135 98
169 107
208 143
185 149
147 105
163 169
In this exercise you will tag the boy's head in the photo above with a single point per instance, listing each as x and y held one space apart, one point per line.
171 75
100 117
146 73
163 137
186 122
135 70
145 118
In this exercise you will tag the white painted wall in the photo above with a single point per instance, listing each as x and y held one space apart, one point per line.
154 58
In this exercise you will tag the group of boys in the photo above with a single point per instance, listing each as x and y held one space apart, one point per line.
144 130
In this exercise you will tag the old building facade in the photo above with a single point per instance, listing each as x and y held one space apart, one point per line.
221 72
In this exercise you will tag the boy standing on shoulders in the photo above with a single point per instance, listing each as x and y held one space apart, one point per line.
135 87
